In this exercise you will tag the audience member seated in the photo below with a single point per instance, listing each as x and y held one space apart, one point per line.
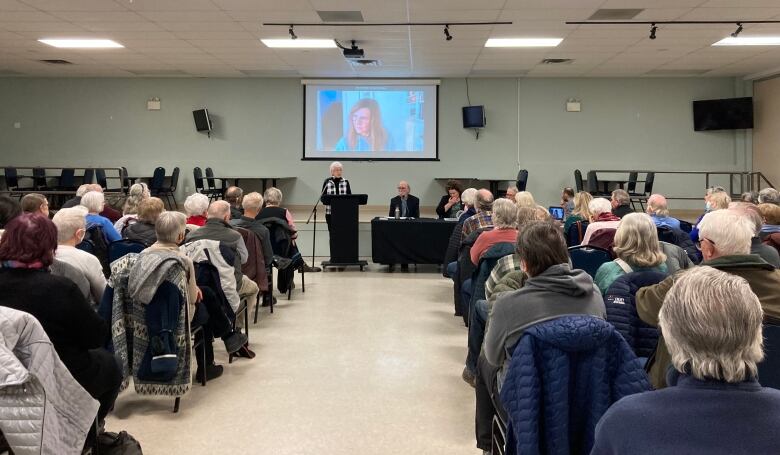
233 196
107 211
714 199
35 203
637 249
602 218
525 199
196 208
408 205
769 196
751 212
567 201
137 193
450 204
770 231
725 245
94 202
553 289
252 203
621 203
71 227
143 230
170 230
714 404
469 199
483 217
9 209
504 229
658 209
580 212
750 197
273 200
218 228
511 192
75 329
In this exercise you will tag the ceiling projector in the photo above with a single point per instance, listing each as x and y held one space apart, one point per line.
352 53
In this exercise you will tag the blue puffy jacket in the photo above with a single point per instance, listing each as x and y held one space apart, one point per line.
564 375
620 301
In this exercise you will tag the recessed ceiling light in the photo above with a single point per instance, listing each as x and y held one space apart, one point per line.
523 42
749 41
81 43
299 43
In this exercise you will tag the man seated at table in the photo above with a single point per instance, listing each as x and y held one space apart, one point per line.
621 203
658 209
408 205
233 196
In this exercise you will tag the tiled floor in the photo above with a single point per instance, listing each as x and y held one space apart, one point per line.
362 363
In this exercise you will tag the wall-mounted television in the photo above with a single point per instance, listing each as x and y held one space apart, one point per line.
202 120
723 114
474 117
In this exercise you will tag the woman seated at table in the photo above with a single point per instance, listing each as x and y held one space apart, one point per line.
637 250
450 204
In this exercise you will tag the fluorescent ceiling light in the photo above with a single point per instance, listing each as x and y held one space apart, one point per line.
523 42
81 43
749 41
299 43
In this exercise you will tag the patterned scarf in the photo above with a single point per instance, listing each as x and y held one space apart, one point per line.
335 186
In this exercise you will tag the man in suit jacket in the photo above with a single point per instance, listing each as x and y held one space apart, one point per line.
408 205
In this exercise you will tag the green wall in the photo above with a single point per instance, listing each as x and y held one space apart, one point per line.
624 123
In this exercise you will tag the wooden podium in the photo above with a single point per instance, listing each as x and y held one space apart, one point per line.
344 210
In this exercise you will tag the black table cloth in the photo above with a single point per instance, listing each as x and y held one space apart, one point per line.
421 241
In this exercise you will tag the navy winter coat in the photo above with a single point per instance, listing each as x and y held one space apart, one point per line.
564 375
621 311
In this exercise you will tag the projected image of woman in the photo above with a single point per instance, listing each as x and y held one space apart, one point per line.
366 131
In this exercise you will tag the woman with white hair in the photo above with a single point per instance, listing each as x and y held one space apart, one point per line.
504 229
603 218
469 200
71 228
94 202
712 324
138 192
334 185
637 250
196 206
525 199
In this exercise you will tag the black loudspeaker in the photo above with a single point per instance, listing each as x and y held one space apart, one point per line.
474 117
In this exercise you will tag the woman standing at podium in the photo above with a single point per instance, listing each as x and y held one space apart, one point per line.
335 184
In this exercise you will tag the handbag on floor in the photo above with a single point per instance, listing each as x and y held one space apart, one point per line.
110 443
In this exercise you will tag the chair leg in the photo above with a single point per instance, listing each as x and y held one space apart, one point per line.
303 280
246 317
176 405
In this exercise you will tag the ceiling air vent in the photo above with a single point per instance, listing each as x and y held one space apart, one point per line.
56 62
364 62
614 14
557 61
340 16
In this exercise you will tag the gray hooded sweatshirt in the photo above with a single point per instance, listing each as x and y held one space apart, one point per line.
556 292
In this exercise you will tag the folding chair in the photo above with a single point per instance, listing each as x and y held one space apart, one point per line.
588 258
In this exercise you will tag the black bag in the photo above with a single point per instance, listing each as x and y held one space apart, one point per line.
110 443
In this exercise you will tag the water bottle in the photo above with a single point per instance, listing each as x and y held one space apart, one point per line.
397 213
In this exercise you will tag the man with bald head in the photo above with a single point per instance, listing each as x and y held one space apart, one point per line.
484 216
408 205
658 209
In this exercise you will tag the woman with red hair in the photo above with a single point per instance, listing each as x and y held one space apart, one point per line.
75 329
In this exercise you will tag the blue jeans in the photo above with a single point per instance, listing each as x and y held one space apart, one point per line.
477 322
452 270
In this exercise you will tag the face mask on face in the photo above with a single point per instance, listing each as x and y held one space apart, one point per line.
707 207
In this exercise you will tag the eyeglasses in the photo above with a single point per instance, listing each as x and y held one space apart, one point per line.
698 243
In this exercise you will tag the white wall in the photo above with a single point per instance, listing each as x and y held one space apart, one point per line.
625 123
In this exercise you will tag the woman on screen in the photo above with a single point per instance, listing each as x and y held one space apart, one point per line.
366 131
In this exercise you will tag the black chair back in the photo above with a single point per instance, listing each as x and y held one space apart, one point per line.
578 180
123 180
67 179
576 233
174 180
522 179
100 176
588 258
197 175
123 247
89 175
11 178
769 369
593 183
158 180
632 178
39 178
649 180
210 179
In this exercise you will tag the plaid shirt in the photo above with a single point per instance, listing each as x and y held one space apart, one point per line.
332 188
478 221
504 265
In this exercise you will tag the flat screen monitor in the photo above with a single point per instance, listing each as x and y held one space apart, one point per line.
474 117
723 114
202 120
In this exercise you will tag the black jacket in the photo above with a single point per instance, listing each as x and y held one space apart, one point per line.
142 232
622 210
412 205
